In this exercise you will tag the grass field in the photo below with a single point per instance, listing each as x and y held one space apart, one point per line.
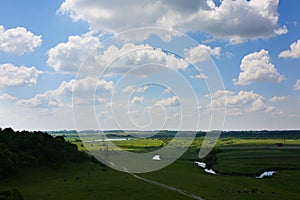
254 161
242 158
128 145
187 176
86 181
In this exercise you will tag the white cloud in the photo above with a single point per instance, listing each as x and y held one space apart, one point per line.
169 102
130 55
293 52
6 96
142 89
136 99
278 98
239 103
131 88
51 98
281 30
257 67
128 89
201 53
167 91
11 75
233 20
61 96
68 57
297 85
33 102
199 76
234 112
273 110
18 40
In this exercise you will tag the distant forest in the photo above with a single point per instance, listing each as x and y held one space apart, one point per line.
166 134
283 134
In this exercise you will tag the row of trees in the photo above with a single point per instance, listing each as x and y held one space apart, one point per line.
284 134
30 149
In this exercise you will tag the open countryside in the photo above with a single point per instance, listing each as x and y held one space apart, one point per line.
149 99
238 160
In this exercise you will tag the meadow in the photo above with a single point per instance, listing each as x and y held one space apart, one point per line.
237 162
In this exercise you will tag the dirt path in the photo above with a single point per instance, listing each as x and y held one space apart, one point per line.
185 193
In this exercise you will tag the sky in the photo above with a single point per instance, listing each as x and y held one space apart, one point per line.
150 65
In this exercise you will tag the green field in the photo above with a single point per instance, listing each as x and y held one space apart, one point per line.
254 161
83 181
237 163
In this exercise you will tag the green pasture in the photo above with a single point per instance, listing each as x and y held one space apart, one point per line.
87 181
251 162
238 161
188 176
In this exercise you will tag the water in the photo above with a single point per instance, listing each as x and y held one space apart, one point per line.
267 173
209 171
203 165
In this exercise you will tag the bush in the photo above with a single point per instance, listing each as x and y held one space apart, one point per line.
13 194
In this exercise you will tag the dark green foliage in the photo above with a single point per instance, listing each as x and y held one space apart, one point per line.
13 194
8 161
211 158
29 149
284 134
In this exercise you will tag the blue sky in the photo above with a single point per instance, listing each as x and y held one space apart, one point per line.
98 65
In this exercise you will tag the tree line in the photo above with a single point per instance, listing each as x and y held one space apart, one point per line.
21 149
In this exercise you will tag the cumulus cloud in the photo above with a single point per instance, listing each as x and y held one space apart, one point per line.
130 55
167 91
11 75
273 110
131 88
6 96
281 30
238 103
169 102
136 99
200 76
297 85
68 56
18 40
293 52
128 89
142 89
201 53
278 98
232 20
61 96
257 67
